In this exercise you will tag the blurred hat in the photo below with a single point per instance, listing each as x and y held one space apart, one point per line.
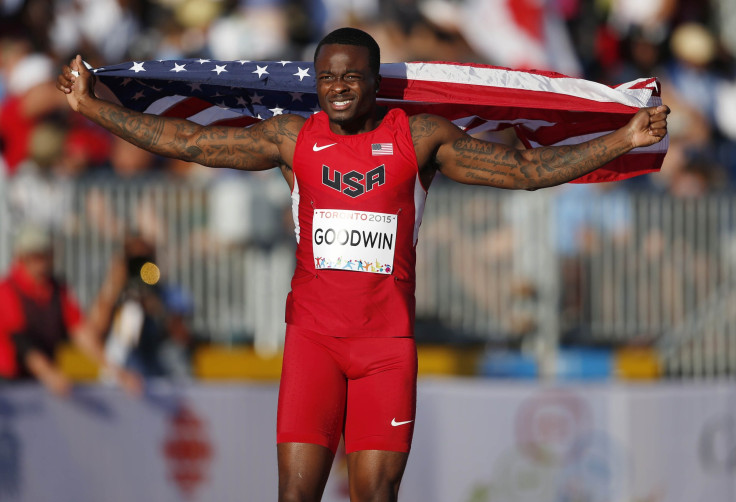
693 43
32 238
30 71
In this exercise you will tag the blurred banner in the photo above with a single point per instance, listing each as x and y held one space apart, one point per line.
475 441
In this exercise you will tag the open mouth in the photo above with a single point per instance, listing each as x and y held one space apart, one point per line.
341 104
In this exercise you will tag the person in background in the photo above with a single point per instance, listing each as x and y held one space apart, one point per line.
146 321
38 313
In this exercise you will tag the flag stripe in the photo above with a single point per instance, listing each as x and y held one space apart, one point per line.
544 108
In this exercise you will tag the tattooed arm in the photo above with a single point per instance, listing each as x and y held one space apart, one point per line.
441 146
263 146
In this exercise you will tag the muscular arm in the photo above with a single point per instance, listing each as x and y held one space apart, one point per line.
442 146
263 146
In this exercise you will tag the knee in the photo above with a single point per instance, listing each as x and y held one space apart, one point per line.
295 489
296 494
374 489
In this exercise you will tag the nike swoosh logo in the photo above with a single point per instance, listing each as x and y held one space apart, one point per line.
396 424
318 148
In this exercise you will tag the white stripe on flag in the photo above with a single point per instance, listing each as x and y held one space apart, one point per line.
511 79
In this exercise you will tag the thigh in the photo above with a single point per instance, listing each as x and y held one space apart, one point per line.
381 395
312 393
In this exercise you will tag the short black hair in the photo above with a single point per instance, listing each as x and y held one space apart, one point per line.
354 36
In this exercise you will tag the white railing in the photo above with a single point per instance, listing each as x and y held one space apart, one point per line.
588 264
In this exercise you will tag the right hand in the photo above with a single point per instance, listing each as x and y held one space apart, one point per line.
76 88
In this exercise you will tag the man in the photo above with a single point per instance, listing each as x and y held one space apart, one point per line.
38 313
358 177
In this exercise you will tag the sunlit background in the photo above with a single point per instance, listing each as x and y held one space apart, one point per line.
575 343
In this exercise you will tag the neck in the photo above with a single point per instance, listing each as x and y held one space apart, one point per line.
359 125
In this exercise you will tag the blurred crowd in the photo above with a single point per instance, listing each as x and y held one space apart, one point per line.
690 45
686 43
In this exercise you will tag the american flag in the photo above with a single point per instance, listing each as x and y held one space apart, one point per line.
382 149
543 108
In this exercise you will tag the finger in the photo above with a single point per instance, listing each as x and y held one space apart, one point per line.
664 109
63 83
659 124
81 67
659 132
658 116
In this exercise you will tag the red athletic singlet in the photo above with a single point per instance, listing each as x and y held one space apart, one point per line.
357 204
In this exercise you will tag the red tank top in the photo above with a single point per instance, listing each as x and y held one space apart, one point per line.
357 204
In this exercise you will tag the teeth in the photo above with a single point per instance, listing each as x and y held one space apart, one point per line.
340 103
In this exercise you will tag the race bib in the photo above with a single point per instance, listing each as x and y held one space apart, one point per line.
354 240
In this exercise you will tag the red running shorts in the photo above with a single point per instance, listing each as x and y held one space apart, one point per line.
362 387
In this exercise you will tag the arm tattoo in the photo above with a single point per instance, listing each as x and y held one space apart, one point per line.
218 146
494 164
422 127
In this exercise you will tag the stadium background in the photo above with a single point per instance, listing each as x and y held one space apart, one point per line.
585 333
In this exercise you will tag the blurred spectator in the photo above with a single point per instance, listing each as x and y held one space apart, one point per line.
246 208
524 35
130 169
591 221
40 191
255 30
30 95
108 26
690 71
38 313
147 322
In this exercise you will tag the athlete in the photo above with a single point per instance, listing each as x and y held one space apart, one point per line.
358 176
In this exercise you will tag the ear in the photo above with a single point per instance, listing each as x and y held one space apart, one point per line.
378 83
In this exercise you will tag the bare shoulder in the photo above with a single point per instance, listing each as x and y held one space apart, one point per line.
281 128
429 132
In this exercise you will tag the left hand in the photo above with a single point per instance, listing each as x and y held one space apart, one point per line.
648 126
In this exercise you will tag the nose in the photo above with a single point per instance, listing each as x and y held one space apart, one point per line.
338 85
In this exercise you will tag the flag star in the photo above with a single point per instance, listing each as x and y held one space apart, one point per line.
316 109
256 99
260 70
222 105
195 86
137 67
302 73
241 101
219 68
138 95
202 61
296 96
276 111
126 81
243 61
178 67
259 117
284 63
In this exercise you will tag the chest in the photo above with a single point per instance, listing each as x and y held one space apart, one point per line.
382 165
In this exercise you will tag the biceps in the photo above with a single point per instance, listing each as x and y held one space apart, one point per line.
473 161
233 147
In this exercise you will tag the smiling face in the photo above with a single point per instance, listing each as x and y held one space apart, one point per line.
346 88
